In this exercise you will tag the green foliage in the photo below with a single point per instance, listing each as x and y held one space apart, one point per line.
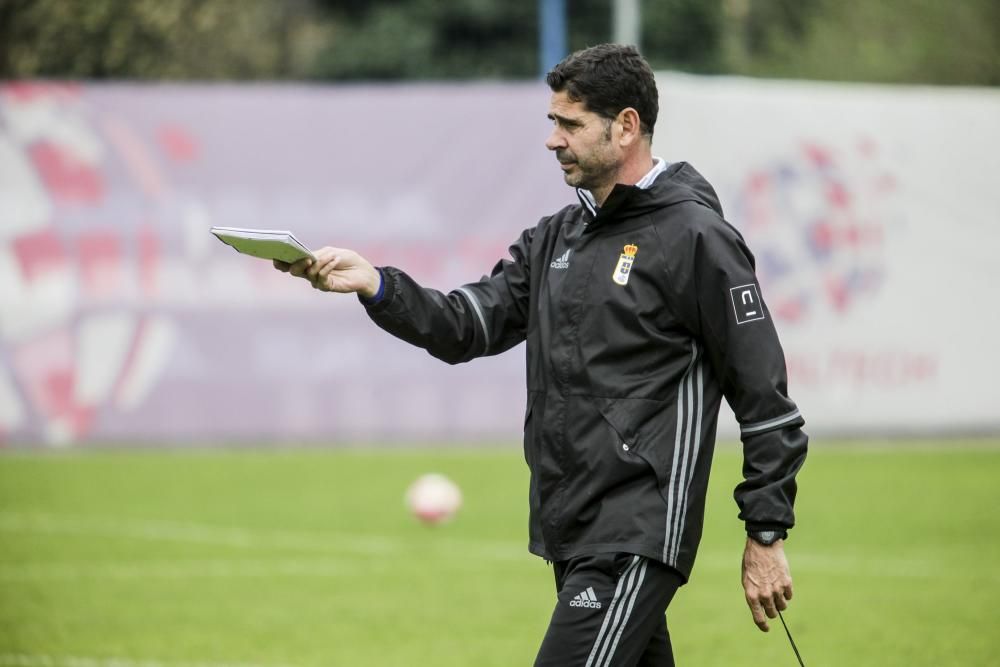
684 34
911 41
430 39
904 41
307 558
148 39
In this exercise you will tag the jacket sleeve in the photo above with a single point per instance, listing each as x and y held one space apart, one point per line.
479 319
723 304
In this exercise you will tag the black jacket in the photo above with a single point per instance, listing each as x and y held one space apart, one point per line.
637 320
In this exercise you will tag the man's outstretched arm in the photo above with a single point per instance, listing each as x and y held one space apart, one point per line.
478 319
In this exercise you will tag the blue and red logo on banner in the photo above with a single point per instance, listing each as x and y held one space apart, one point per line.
817 222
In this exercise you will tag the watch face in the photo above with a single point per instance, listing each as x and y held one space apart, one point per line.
766 537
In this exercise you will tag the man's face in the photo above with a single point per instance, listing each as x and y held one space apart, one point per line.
583 144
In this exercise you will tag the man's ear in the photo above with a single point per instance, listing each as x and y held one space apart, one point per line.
631 126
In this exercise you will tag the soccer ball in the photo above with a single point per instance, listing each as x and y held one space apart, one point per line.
433 498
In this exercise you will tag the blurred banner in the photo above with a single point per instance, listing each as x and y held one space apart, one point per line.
873 212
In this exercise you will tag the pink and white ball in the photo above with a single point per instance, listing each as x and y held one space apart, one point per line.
433 498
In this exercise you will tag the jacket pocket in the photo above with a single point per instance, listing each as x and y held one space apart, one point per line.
640 425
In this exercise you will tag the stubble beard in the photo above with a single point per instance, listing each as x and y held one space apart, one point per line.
594 171
590 176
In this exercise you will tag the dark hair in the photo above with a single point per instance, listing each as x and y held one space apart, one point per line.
608 78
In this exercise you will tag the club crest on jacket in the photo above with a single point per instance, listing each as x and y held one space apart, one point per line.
625 261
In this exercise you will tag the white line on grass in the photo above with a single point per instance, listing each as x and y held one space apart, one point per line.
241 538
464 550
179 569
42 660
191 533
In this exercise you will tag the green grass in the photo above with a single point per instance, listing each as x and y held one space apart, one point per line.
306 557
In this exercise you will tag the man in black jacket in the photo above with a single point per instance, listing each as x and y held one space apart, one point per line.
641 311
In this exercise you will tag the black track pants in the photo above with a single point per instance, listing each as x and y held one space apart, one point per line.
610 613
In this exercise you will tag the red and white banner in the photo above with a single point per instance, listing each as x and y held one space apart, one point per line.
872 212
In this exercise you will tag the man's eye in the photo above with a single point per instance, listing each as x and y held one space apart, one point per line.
565 124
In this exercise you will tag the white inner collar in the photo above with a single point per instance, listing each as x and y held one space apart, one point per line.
659 165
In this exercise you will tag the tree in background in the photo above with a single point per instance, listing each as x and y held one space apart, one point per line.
152 39
907 41
684 34
429 39
902 41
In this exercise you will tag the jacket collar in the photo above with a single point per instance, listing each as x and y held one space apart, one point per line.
590 204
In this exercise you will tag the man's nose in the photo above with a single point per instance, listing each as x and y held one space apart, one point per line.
555 140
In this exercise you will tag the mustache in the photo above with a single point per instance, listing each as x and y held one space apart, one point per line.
565 156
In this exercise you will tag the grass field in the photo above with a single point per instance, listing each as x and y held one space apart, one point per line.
306 557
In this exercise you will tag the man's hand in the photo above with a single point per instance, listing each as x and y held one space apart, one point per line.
766 581
336 270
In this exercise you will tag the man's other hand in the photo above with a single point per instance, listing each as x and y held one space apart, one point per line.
336 270
766 581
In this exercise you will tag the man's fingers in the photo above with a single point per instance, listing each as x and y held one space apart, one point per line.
323 256
330 269
321 277
299 268
757 610
766 580
330 266
769 608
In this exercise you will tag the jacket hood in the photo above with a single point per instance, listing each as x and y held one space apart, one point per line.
680 182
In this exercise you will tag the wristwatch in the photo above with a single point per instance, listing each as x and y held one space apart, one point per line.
768 537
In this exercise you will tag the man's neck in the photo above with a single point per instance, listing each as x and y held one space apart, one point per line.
630 174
